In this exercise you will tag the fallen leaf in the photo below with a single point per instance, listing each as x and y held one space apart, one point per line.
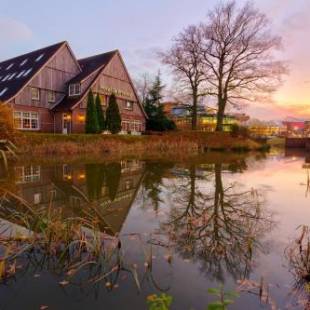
64 282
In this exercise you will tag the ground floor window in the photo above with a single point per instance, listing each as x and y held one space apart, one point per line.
132 126
26 120
27 174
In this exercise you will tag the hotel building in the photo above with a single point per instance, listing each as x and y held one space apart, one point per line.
47 89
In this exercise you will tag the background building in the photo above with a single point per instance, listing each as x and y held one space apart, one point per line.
181 115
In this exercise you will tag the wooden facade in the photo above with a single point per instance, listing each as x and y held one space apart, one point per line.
45 104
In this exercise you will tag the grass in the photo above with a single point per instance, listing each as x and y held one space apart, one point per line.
276 142
170 144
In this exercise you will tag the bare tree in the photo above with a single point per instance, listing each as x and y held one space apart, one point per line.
237 50
143 85
221 224
185 59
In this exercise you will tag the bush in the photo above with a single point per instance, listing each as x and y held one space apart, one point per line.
239 131
100 114
91 124
113 117
6 122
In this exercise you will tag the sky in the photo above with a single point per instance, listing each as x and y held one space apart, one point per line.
141 28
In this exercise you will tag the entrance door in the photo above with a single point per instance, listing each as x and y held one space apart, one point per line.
66 123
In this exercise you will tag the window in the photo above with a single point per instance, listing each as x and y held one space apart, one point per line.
129 105
3 91
74 89
35 93
27 72
20 74
51 96
37 198
23 62
26 120
9 66
137 126
6 77
12 75
103 100
27 174
39 57
132 126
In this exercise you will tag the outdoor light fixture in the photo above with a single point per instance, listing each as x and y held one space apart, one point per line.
81 118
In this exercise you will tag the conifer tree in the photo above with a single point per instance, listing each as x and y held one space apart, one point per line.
113 117
100 115
91 124
157 120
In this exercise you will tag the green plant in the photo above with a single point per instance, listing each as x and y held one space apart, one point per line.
159 302
100 114
113 117
225 298
157 119
239 131
91 124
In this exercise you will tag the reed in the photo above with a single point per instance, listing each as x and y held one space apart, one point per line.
186 143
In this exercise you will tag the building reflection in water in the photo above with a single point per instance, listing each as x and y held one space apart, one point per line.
109 188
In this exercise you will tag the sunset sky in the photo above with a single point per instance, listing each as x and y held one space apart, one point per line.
140 28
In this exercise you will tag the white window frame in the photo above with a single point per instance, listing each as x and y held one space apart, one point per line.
38 93
28 174
26 116
74 89
37 198
129 105
49 98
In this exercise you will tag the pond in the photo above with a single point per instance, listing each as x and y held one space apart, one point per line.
156 227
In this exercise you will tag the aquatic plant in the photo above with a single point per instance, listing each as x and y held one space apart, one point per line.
225 298
159 302
297 254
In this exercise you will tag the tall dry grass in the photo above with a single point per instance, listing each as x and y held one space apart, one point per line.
172 144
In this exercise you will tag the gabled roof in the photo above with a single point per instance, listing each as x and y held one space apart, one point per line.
94 64
16 72
91 64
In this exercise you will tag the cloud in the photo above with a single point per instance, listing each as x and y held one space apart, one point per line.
13 30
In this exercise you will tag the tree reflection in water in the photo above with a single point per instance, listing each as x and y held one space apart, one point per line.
219 223
153 181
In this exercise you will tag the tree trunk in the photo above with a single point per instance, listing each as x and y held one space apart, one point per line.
194 112
220 115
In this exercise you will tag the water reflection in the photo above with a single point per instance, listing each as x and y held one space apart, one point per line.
201 215
108 188
217 221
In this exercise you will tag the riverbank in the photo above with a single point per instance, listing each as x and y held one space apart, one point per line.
170 144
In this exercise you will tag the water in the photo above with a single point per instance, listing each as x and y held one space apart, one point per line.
218 219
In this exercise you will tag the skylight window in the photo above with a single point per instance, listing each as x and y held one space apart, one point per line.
20 74
23 62
39 57
27 72
6 77
9 66
3 91
12 75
